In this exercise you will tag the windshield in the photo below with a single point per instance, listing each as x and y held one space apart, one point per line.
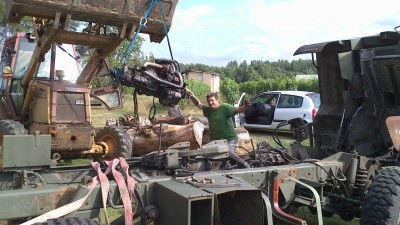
315 98
64 61
24 55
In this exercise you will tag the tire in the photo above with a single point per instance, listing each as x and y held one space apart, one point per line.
11 127
118 141
382 204
69 221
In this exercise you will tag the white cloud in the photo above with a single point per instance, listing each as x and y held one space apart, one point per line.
216 33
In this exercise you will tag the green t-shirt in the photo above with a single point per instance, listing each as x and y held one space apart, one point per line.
220 121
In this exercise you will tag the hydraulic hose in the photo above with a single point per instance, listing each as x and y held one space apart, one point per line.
235 158
142 210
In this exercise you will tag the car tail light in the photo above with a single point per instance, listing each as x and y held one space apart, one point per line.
313 113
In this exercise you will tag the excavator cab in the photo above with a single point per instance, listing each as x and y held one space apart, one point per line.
45 88
52 103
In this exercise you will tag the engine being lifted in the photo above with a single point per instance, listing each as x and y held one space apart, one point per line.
161 79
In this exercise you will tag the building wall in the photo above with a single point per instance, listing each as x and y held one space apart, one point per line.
211 79
306 77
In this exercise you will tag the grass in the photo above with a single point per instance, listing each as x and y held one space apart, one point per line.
100 114
312 219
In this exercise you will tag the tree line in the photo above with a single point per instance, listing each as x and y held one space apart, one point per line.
257 76
257 69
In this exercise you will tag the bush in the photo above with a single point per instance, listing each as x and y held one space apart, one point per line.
200 89
229 90
281 83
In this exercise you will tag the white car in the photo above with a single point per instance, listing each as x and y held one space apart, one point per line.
268 109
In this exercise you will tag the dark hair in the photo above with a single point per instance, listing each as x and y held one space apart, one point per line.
212 94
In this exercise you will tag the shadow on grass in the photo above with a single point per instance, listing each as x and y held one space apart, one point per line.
305 214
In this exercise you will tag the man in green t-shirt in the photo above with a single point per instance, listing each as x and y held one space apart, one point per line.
220 117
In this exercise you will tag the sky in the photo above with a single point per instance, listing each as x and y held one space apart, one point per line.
216 32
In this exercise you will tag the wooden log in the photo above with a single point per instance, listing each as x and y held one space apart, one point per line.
174 120
146 140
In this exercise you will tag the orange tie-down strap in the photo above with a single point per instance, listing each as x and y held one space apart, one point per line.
126 190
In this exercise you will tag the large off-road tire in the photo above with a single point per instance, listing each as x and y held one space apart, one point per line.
11 127
69 221
118 141
382 204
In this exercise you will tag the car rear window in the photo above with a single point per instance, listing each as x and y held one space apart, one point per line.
315 98
290 101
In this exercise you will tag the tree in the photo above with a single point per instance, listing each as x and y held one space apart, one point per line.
200 89
242 72
7 29
229 90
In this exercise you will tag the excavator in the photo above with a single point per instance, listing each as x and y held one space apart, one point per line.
44 87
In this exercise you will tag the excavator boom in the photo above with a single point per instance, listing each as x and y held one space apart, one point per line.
125 15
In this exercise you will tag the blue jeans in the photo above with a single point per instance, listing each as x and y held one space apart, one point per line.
232 145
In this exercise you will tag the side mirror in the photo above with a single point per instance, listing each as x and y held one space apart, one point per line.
7 71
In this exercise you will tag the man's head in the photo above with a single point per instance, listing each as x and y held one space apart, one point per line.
213 100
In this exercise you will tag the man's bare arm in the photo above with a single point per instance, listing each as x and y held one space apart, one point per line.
194 99
244 106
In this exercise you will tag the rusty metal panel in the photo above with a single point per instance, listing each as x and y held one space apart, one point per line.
40 102
81 137
71 107
393 125
111 12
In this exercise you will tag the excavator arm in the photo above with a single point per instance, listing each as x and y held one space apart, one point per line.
125 15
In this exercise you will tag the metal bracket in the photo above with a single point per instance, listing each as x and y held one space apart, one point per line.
268 206
316 195
139 176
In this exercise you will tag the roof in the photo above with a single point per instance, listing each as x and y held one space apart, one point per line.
299 93
211 73
307 76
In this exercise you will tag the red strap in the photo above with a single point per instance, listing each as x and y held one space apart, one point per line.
129 178
126 193
64 210
105 187
119 178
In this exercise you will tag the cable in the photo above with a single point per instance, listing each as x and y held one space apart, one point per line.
153 110
76 58
248 151
166 31
135 107
118 72
275 136
136 116
334 176
141 205
142 24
